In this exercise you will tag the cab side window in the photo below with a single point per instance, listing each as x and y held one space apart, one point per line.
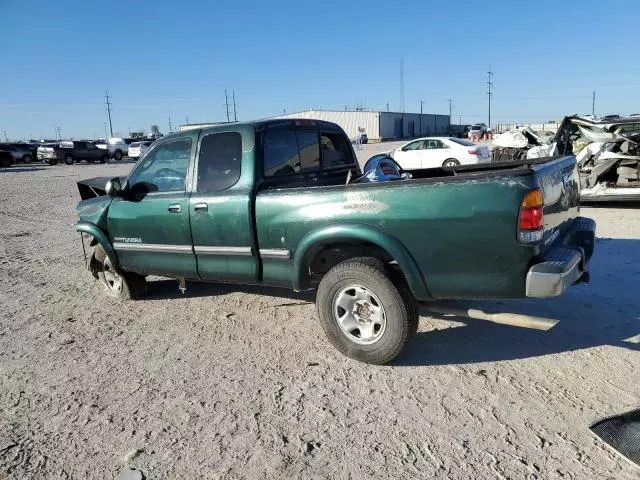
164 169
219 161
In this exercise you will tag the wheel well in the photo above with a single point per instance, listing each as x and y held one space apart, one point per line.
322 258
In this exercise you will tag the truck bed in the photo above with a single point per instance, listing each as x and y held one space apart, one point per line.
458 224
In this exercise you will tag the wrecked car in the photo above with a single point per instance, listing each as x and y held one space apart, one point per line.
285 203
607 152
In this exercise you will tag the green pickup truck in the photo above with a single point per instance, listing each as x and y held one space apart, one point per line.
285 203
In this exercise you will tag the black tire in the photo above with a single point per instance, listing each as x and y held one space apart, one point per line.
27 159
396 302
117 155
5 161
104 159
68 160
126 286
451 162
52 161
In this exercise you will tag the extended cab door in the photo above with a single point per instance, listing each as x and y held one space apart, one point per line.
221 207
149 225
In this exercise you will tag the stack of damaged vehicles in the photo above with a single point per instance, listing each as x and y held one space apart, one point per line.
607 152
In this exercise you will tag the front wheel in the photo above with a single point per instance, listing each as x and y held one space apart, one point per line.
121 285
365 313
450 162
27 159
5 161
117 155
104 159
68 159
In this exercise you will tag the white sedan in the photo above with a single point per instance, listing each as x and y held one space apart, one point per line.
435 152
137 148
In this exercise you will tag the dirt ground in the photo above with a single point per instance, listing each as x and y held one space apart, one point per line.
240 382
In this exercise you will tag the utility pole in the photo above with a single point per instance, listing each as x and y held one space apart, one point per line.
186 120
106 135
489 85
421 103
402 84
284 111
593 105
106 96
5 136
235 113
226 102
450 109
58 133
170 126
387 106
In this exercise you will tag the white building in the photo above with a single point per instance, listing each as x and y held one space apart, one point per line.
381 125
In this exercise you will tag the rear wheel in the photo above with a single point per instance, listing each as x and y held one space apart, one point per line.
104 159
118 155
5 161
365 312
52 161
27 159
119 284
68 159
450 162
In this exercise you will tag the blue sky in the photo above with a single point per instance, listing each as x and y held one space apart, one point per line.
176 59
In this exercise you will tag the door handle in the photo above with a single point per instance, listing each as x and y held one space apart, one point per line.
201 207
174 208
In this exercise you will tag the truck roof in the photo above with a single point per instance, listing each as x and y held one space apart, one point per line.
264 124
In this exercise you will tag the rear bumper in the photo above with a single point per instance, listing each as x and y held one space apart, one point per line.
563 265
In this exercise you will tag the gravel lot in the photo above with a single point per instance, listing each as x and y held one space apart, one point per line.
239 382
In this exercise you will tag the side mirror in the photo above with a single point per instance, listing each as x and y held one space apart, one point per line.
113 187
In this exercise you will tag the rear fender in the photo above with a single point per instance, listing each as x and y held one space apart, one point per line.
100 237
335 234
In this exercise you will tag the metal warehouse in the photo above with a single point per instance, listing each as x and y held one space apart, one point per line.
381 125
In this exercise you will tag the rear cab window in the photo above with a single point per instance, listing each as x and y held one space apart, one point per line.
297 151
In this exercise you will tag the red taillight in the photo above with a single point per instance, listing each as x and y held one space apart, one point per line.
473 152
531 218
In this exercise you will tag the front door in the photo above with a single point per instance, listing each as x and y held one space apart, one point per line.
221 210
409 157
149 225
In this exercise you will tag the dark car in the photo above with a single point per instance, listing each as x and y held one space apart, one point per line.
19 154
6 159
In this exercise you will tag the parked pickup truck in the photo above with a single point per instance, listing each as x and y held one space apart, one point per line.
71 151
284 203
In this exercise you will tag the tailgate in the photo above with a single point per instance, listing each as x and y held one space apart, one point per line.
560 185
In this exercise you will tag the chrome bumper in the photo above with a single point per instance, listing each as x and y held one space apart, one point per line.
563 265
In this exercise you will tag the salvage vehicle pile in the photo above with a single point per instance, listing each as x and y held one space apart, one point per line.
607 152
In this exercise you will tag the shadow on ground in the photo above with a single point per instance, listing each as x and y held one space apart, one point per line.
21 169
604 312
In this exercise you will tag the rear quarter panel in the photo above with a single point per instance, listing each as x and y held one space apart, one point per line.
460 233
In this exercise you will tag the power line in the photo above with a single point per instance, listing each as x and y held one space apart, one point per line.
235 113
402 84
106 96
226 102
489 85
